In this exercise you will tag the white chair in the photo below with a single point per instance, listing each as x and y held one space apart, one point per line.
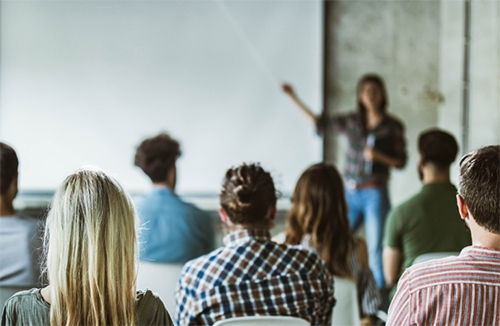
434 255
346 310
7 291
160 278
263 320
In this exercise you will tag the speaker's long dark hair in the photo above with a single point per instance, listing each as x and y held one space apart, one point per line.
377 80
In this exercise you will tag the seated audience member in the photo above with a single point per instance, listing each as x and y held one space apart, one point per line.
318 221
463 290
250 274
429 221
90 243
20 237
173 230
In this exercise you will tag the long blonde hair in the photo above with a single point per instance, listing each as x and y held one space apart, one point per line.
319 209
90 244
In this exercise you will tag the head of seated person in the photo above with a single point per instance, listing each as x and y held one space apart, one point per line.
251 274
20 235
90 247
319 216
248 199
156 157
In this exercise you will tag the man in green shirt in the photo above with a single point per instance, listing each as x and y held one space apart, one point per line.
429 221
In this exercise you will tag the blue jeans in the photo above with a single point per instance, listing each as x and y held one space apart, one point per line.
370 205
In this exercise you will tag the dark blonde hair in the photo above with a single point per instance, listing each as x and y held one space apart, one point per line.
319 209
247 194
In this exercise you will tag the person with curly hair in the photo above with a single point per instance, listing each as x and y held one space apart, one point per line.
173 230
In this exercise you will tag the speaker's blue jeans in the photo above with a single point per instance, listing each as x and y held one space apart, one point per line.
370 206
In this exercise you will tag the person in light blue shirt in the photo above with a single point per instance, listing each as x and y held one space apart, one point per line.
172 230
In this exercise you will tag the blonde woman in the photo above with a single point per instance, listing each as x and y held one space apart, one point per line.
90 245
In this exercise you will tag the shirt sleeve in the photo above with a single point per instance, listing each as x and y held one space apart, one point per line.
399 144
333 123
400 309
392 237
324 308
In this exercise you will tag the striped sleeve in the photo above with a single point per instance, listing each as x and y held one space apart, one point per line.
400 310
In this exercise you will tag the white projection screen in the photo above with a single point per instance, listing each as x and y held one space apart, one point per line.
83 82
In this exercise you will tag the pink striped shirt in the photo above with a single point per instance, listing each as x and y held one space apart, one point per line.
463 290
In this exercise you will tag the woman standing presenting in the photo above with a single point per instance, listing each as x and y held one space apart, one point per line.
376 144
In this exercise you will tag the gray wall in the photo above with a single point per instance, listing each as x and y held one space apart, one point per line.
417 46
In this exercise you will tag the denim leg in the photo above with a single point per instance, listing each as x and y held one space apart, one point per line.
354 208
376 206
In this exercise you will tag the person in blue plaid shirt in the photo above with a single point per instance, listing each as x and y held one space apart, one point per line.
250 274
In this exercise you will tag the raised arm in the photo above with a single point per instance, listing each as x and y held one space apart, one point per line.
288 89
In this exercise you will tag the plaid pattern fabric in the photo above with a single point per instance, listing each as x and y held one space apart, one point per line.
389 139
251 275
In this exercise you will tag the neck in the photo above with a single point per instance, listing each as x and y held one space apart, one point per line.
6 207
483 238
432 175
163 184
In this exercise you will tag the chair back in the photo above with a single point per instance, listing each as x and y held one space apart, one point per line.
263 320
160 278
7 291
346 310
434 255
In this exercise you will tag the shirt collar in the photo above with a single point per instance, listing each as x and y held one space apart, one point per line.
481 251
239 237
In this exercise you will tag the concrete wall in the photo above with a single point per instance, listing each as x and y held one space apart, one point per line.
417 46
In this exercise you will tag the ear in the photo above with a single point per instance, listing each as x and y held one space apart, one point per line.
223 215
462 208
272 212
421 161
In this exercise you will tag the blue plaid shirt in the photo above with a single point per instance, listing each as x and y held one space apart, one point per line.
251 275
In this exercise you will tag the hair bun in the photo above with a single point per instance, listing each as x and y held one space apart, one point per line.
244 195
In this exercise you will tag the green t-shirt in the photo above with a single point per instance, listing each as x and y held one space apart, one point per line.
427 222
29 308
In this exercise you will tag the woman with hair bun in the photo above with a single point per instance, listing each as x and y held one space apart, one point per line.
318 221
90 246
250 274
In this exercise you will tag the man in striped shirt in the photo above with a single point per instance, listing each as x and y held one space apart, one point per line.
463 290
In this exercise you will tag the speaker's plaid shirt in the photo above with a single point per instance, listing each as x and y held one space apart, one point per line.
251 275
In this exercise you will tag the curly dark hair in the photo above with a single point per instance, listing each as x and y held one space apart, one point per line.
247 194
156 155
9 164
437 147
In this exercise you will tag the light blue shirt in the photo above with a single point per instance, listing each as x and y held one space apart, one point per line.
172 230
20 251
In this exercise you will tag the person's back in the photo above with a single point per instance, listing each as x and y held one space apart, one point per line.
20 251
20 236
429 221
418 225
90 247
250 274
463 290
172 230
30 308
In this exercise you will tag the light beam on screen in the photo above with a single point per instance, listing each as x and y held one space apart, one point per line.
251 48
